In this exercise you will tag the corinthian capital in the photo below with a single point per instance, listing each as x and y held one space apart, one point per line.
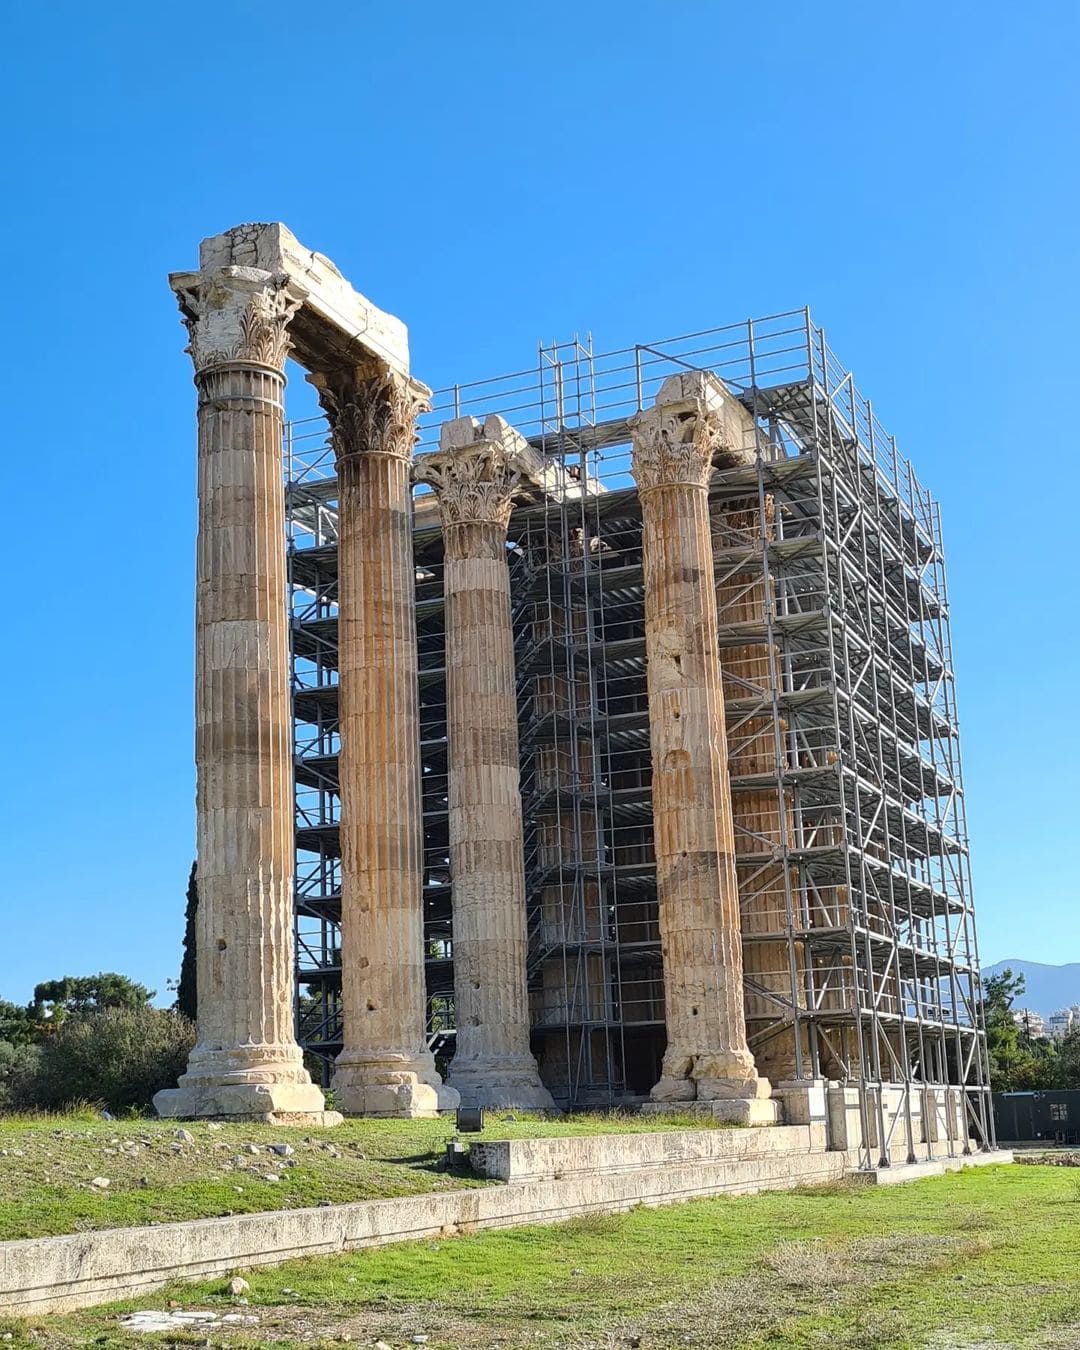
237 315
474 483
695 420
371 411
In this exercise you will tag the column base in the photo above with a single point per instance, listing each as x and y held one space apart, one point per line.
722 1086
265 1083
500 1083
803 1100
266 1103
392 1086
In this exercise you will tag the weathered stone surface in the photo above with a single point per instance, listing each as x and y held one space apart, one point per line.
246 1061
385 1068
538 475
673 448
537 1159
934 1167
895 1124
730 432
738 1110
337 325
58 1274
474 481
802 1101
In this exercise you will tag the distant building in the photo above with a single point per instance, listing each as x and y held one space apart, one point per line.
1030 1022
1059 1024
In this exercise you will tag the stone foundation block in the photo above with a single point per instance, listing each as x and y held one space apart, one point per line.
411 1099
737 1110
803 1101
499 1090
606 1154
270 1103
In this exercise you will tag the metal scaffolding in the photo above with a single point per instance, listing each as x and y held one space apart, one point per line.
861 963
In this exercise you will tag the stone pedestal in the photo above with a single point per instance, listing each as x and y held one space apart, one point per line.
707 1058
246 1063
741 1110
803 1101
845 1118
474 479
385 1068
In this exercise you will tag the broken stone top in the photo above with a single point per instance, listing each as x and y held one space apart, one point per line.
700 387
335 325
696 424
460 432
474 481
537 476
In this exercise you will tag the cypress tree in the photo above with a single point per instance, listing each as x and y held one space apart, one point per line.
186 991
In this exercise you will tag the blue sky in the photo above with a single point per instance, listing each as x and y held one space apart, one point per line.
494 174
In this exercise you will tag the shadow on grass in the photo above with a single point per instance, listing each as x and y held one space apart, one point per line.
422 1162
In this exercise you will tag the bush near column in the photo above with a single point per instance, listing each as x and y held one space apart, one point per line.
116 1059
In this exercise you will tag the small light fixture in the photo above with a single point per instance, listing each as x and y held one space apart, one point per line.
470 1119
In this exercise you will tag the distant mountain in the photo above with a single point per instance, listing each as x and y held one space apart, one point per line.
1047 988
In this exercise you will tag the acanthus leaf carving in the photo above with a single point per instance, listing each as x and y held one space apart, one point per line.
233 318
675 444
474 483
375 414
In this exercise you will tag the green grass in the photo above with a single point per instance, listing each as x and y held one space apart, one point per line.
988 1258
48 1164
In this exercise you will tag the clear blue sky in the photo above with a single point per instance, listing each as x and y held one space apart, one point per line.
496 173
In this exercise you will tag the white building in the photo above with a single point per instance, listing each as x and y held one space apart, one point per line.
1030 1022
1063 1021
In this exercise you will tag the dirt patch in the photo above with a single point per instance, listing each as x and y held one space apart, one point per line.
818 1266
728 1311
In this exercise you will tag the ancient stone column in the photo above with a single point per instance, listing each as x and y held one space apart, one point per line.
247 1063
385 1068
707 1058
474 478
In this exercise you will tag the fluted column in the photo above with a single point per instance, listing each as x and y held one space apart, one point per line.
385 1068
246 1062
707 1058
492 1064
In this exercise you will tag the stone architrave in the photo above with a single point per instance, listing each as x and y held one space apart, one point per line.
707 1058
247 1063
385 1068
473 477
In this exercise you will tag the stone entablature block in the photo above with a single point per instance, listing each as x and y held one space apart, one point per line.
337 325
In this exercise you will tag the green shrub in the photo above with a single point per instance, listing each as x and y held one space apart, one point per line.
18 1066
119 1057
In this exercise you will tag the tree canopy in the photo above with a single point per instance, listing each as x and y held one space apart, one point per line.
91 1038
84 995
1018 1061
16 1023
